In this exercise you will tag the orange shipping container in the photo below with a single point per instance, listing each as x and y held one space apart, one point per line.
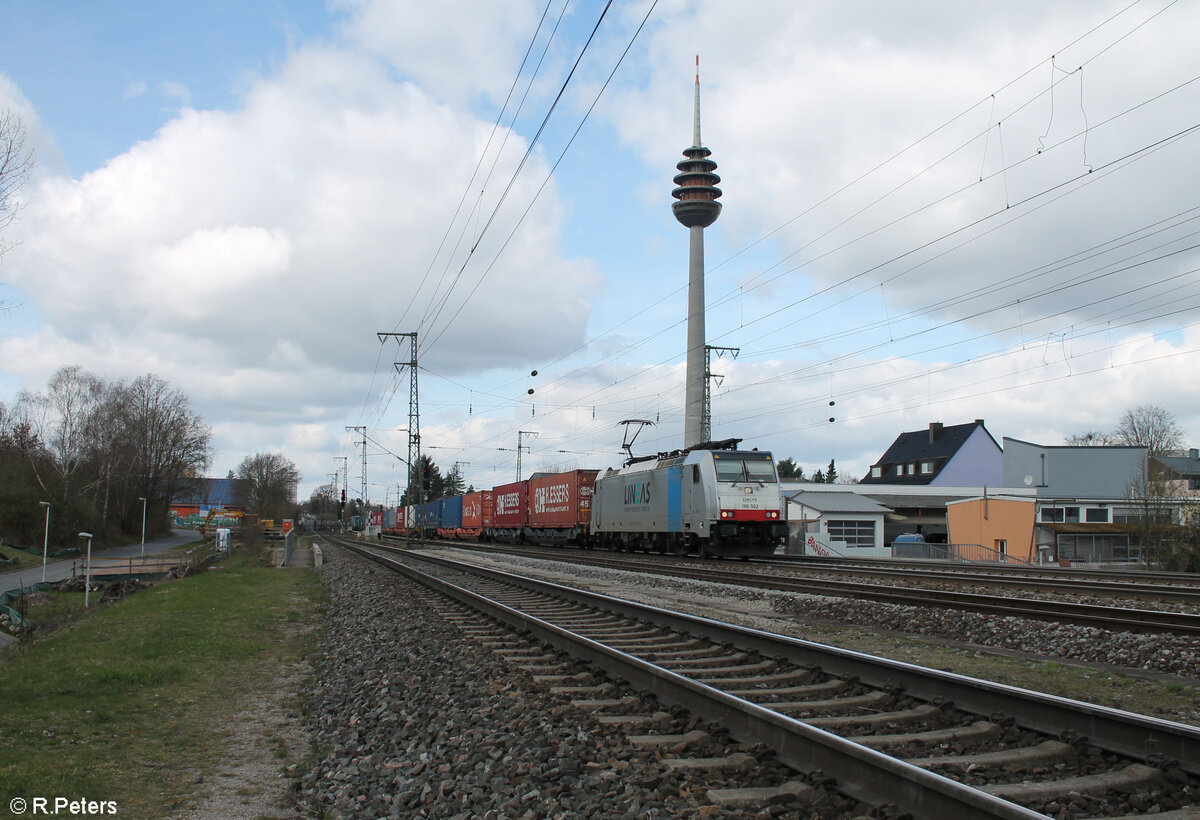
477 508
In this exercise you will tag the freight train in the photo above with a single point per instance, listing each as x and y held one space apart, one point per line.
712 499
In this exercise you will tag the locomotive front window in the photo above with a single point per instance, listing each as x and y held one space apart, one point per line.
745 467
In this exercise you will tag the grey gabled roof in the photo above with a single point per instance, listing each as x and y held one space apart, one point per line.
1182 466
837 502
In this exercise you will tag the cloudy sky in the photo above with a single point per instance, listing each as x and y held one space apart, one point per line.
932 212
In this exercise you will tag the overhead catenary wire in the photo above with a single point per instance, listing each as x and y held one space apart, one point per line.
659 334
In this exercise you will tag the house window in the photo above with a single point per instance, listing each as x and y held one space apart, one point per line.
1097 515
1194 483
876 472
856 534
1051 514
1072 515
926 467
1002 546
911 469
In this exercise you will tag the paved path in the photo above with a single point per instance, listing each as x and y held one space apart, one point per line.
58 570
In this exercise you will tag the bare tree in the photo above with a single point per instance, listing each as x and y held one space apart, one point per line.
271 481
1149 426
60 417
16 163
168 443
1091 438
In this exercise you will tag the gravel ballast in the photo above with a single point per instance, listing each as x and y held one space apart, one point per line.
412 719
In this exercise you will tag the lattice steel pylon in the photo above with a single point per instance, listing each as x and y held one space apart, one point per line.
361 429
414 419
521 446
706 422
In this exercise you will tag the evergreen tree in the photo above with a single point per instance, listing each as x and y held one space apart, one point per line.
831 473
789 470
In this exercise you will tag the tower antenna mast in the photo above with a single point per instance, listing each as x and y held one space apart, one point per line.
696 208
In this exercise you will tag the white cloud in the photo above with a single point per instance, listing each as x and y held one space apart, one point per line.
250 255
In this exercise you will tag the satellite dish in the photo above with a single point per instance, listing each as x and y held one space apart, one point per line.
1028 481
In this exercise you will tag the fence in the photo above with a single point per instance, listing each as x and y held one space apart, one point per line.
157 564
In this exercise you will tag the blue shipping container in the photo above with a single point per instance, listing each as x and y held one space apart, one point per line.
452 513
429 514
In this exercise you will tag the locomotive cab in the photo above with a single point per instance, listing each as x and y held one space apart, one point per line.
735 502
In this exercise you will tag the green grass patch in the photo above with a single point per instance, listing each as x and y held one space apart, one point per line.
121 704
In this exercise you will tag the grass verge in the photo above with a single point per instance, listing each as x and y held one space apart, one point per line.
119 705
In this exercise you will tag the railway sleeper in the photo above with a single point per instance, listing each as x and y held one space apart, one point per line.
1047 753
759 681
716 661
979 731
1131 778
766 696
674 743
905 716
716 676
666 644
871 700
755 797
683 654
737 760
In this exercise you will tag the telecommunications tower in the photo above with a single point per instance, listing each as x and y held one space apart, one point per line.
696 208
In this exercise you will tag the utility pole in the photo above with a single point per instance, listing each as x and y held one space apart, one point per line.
520 446
363 430
457 466
709 377
415 467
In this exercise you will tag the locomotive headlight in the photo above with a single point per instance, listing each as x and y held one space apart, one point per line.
747 490
772 514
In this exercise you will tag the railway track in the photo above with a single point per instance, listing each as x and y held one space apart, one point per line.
933 744
1179 587
1113 618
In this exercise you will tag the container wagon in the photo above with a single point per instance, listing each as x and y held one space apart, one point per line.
560 507
510 512
450 516
477 507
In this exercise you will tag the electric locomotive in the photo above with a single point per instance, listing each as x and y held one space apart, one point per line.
711 499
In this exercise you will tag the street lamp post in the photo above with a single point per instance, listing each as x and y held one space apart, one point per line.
45 543
143 525
87 587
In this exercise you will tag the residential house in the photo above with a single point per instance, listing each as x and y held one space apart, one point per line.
959 455
1182 473
1084 510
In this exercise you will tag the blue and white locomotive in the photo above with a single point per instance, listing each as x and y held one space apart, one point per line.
712 499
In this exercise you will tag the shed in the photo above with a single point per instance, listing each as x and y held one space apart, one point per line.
845 523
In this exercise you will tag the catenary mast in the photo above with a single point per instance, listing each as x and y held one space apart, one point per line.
696 207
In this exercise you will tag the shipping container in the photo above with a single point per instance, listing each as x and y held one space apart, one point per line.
429 515
451 516
477 509
510 514
561 502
